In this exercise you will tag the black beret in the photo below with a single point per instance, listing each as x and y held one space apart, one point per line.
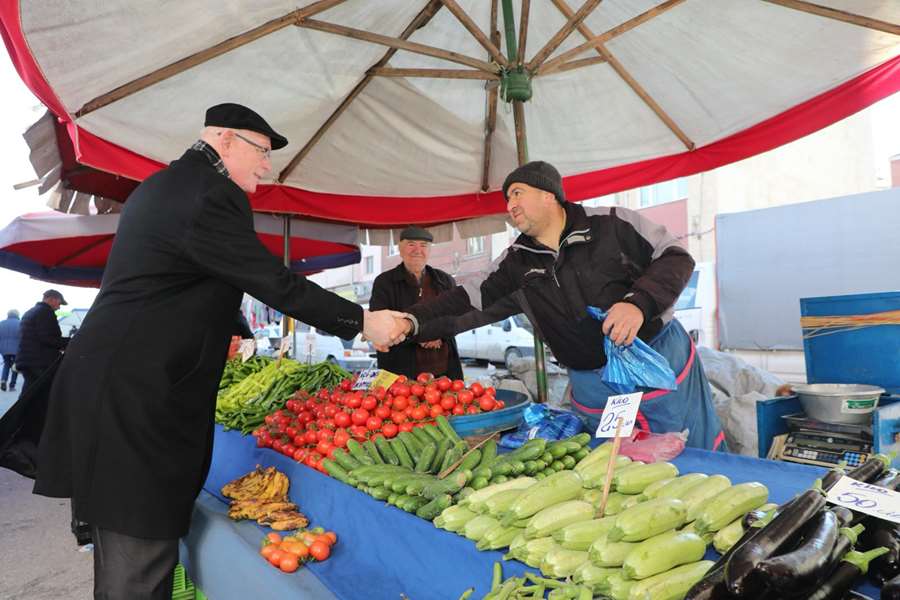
539 174
235 116
416 233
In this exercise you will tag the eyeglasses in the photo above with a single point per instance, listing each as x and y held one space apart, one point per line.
266 152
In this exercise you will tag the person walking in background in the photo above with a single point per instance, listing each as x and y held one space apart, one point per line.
9 345
41 338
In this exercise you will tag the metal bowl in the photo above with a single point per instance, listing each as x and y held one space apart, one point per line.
839 402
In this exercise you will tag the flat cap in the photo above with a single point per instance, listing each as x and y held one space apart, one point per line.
416 233
236 116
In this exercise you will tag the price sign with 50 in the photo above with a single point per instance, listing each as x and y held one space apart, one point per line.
869 499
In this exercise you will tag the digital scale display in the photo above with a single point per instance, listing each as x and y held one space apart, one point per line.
823 444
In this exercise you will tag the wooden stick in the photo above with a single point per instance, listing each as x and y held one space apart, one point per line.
392 42
562 34
523 29
610 466
201 57
521 140
449 469
476 32
838 15
490 118
435 73
573 64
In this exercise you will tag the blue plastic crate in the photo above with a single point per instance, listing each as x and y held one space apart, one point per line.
508 417
869 355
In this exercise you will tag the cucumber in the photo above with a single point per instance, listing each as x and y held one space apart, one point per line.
681 485
488 453
581 454
413 446
337 471
580 535
423 464
440 454
635 481
530 450
471 461
671 585
695 497
444 426
582 439
416 486
345 460
379 493
386 452
356 451
435 433
648 519
479 483
372 451
663 552
437 505
730 504
453 455
402 453
423 438
559 449
450 485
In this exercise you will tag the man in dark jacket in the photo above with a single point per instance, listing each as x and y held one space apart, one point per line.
41 338
10 335
568 258
411 282
130 425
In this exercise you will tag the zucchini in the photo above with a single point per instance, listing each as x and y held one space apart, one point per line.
614 502
581 534
663 552
696 496
596 577
437 505
631 501
681 485
671 585
482 495
561 562
594 474
534 551
454 518
634 481
555 517
498 537
605 553
648 519
559 487
730 504
619 587
477 527
651 490
500 502
728 536
601 452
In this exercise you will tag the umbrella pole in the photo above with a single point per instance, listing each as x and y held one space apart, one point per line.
287 324
540 366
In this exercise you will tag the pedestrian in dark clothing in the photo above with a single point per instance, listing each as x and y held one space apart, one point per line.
412 282
9 345
41 338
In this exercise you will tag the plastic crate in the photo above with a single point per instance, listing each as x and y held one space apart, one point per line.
508 417
183 588
868 355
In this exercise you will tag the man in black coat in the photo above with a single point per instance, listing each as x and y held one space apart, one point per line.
130 426
409 283
41 338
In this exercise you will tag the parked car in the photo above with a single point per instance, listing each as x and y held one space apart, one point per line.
500 342
312 346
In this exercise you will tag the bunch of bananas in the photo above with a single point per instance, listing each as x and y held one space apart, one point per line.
261 495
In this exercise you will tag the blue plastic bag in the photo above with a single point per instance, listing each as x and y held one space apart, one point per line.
543 422
637 365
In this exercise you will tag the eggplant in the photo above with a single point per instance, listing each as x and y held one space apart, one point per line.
841 580
847 538
882 534
800 569
769 540
832 476
891 589
889 480
851 595
872 469
844 516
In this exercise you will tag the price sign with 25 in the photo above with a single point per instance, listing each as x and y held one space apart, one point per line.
624 406
869 499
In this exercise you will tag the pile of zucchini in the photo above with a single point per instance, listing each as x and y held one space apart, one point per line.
404 471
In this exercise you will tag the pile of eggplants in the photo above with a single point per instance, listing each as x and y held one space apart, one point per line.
806 550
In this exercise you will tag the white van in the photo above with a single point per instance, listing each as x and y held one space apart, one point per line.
314 346
499 342
695 308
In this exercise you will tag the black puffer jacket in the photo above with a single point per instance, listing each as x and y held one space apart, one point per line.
393 291
41 339
606 255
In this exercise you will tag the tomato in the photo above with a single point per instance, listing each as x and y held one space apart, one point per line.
490 390
267 550
373 423
342 419
326 435
459 410
354 402
477 389
448 402
358 431
409 410
346 384
289 563
436 410
382 412
341 438
424 377
330 410
444 384
269 420
398 417
402 390
500 404
332 536
380 393
359 416
432 396
319 550
278 445
407 426
465 397
390 430
417 390
275 557
487 403
431 387
300 454
311 437
419 413
320 465
369 402
324 447
298 549
389 401
261 443
472 410
400 402
288 450
274 538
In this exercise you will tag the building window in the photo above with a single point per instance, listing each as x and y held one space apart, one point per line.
667 191
393 250
369 264
475 245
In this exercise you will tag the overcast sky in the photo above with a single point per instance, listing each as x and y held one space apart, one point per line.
21 109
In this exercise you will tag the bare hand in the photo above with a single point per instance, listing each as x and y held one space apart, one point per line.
432 345
622 323
384 328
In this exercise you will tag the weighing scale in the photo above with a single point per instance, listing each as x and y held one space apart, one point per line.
825 444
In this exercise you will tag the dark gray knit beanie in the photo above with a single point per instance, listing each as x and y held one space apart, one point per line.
539 174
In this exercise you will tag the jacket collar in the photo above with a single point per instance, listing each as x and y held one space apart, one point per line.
399 273
577 230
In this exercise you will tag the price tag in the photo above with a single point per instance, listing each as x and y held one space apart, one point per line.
372 378
624 406
285 346
862 497
247 348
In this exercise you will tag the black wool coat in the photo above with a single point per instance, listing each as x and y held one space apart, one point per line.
130 425
41 339
393 291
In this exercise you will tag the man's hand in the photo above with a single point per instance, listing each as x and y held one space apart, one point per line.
384 328
623 321
432 345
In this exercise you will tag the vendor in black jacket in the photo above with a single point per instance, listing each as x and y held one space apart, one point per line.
411 282
41 338
568 258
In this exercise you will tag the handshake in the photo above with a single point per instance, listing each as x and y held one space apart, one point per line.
385 328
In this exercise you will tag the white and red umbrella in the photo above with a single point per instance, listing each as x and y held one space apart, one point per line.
392 109
73 249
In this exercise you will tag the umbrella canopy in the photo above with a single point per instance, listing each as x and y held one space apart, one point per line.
73 249
391 106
